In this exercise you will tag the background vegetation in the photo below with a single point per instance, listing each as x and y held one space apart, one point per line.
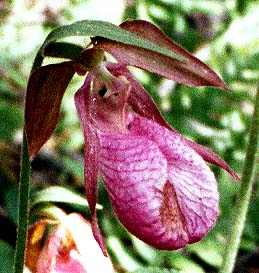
224 34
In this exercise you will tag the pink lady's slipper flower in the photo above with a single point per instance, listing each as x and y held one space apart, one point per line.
70 247
158 182
159 185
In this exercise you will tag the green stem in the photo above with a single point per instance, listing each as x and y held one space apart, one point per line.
23 212
244 194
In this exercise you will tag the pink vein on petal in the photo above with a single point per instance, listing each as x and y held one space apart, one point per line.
137 196
190 178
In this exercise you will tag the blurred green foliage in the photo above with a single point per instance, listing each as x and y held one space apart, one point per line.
223 33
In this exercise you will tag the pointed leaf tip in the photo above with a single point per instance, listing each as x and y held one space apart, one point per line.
45 91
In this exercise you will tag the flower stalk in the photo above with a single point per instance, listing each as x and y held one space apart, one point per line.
244 194
23 211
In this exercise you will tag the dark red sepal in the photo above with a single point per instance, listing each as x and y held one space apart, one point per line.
45 91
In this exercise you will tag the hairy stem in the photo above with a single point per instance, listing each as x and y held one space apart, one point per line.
244 194
23 212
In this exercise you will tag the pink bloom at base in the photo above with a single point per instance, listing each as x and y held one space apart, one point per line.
70 247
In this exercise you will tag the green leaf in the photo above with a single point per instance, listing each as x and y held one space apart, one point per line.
154 270
63 50
60 195
122 254
11 119
187 265
6 257
209 250
146 252
92 28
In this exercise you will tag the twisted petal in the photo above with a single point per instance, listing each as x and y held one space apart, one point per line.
82 102
162 191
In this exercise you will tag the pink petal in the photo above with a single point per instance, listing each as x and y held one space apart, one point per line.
134 176
161 190
82 102
57 257
71 247
193 181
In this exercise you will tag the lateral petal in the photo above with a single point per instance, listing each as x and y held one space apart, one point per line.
82 102
211 157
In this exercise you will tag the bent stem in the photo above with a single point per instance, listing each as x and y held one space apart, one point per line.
23 213
244 194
